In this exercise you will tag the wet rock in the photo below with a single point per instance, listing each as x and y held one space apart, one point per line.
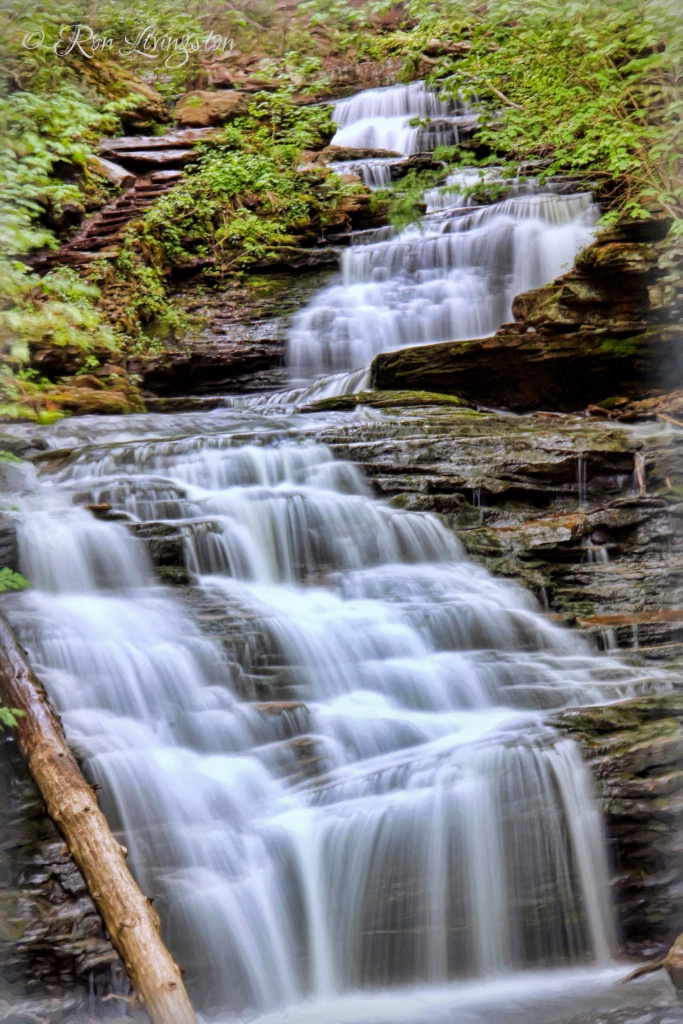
165 544
53 949
654 1014
242 345
9 549
331 154
522 371
383 400
552 501
635 752
202 109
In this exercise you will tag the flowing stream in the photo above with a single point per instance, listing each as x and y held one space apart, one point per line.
327 756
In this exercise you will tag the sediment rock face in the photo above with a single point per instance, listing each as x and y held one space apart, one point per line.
584 512
635 750
611 326
241 346
54 953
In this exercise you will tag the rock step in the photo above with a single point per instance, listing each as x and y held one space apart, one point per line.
105 227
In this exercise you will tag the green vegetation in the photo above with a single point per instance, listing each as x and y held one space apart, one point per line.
572 90
243 201
10 580
596 94
9 717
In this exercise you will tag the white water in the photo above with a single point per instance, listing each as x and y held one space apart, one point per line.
449 278
381 119
453 277
399 814
328 759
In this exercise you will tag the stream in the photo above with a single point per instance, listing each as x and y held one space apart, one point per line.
327 754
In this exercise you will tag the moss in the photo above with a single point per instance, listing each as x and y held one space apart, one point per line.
387 400
629 724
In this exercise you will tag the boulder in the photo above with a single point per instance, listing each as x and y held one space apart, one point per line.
201 109
522 371
113 82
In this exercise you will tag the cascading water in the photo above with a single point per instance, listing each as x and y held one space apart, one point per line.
390 119
327 755
451 277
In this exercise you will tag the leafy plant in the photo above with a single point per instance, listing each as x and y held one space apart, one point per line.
9 717
592 95
10 580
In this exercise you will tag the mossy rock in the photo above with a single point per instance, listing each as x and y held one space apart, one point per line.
385 400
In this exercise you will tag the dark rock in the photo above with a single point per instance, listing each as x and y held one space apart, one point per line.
242 345
9 549
635 752
51 937
348 153
545 499
523 371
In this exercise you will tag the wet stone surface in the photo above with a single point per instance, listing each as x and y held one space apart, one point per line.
53 948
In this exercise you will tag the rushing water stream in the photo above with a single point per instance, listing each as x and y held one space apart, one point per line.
327 757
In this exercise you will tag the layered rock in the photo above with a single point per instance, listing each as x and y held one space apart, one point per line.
54 954
635 751
585 513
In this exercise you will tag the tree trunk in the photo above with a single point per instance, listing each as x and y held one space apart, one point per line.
132 923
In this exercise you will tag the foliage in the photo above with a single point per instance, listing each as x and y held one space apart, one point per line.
9 458
57 308
591 95
46 141
152 30
9 717
10 580
242 200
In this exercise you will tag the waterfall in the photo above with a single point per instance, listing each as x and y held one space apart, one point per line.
328 762
327 754
452 277
385 119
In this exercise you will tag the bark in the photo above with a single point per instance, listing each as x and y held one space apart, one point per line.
132 923
113 173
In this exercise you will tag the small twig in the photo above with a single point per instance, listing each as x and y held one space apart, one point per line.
503 97
644 969
669 419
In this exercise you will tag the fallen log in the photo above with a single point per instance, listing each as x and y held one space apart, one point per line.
672 964
133 925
